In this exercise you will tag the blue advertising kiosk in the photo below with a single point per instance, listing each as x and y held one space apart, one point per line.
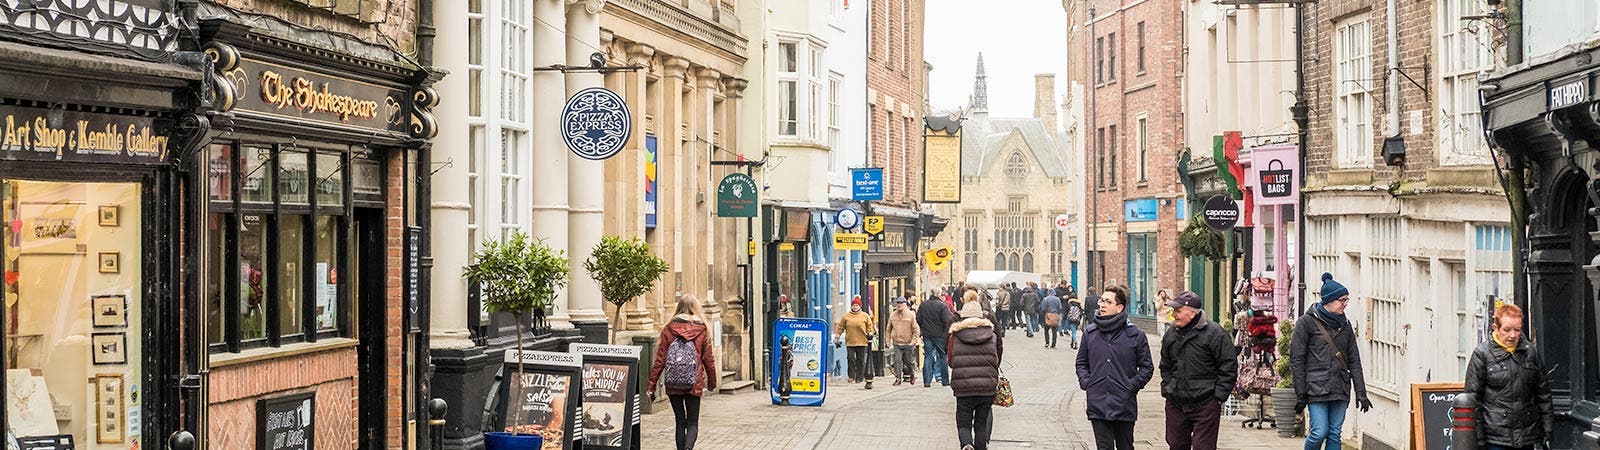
799 369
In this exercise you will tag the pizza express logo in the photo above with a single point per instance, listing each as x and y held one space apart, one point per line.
596 123
302 94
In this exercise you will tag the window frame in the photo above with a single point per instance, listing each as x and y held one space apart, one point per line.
1111 57
1459 122
1140 27
1352 100
1142 145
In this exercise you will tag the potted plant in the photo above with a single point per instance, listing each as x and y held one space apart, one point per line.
1283 396
517 276
625 270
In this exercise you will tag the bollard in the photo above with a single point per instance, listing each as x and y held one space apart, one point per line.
436 410
181 440
1464 423
1592 437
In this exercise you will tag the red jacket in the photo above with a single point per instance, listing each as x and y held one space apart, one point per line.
694 331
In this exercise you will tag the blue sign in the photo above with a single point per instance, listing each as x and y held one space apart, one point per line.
596 123
1140 210
866 184
1181 212
799 368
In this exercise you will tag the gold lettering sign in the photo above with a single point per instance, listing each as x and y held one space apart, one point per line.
941 176
303 94
894 239
40 134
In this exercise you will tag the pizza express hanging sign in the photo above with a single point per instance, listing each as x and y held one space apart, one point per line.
54 134
282 91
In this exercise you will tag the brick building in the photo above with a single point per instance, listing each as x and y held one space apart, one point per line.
1423 242
1135 132
895 75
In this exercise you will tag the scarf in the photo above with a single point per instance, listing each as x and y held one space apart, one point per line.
1328 318
1512 349
1112 323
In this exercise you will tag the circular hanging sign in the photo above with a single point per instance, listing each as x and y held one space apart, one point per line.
596 123
847 218
1221 213
1062 222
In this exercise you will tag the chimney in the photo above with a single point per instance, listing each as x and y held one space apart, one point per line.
1044 101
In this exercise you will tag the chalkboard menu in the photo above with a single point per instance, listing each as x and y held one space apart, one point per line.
543 397
1430 414
287 423
610 395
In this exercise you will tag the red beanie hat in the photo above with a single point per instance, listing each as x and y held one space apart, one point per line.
855 301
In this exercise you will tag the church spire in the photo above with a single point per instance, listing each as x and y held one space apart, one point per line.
980 90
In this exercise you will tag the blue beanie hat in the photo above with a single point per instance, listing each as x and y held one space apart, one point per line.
1332 290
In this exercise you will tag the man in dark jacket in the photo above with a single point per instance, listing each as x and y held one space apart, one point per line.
1113 366
934 319
1019 318
975 352
1198 371
1030 307
1326 364
1507 378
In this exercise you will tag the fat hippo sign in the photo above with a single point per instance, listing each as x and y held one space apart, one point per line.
596 123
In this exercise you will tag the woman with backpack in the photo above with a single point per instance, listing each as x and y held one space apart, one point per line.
684 357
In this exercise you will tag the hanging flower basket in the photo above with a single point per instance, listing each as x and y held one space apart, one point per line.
1199 240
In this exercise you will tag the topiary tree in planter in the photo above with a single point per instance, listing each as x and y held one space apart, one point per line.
625 270
1198 239
518 276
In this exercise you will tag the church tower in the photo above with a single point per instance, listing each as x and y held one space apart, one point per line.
980 91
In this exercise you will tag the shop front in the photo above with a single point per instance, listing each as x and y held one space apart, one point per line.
308 219
1544 115
890 271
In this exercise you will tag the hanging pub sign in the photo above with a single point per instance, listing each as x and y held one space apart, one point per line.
799 374
596 123
55 134
941 162
1221 213
287 423
297 95
541 397
1275 172
736 196
610 395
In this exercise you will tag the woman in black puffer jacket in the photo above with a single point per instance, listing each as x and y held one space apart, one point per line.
975 350
1507 378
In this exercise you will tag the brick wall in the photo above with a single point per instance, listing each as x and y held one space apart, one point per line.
897 74
394 22
331 374
394 296
1156 95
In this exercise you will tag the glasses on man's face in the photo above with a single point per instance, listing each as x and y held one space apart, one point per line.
1107 301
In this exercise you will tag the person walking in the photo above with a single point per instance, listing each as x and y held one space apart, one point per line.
1019 317
684 355
975 352
903 334
1163 312
1072 321
1030 307
1002 308
1065 293
1506 376
1323 349
933 320
857 327
1052 311
1113 366
1198 372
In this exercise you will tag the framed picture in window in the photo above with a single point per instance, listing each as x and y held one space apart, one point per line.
110 215
110 412
110 262
109 348
110 310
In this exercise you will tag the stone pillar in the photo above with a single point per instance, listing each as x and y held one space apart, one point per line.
448 293
585 180
674 202
550 154
637 317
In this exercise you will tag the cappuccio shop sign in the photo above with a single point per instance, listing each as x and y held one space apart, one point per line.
289 93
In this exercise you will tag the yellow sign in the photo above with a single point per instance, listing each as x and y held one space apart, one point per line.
872 224
937 258
850 241
941 167
786 247
805 385
752 248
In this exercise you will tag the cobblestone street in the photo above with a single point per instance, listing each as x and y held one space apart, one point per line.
1049 414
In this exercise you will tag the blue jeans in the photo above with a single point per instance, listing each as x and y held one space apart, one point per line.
1324 423
1033 323
1070 328
935 364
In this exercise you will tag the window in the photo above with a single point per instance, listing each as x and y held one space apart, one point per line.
1140 37
1000 261
814 110
970 259
475 58
1387 295
1100 157
1352 104
788 89
498 123
835 111
1322 248
1490 279
1016 166
1112 150
1463 54
1027 262
1142 141
276 247
1057 244
1099 60
1111 57
835 10
800 91
514 62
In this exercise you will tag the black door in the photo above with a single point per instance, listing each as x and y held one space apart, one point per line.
367 251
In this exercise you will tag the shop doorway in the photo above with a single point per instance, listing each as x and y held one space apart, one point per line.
367 251
77 307
1141 259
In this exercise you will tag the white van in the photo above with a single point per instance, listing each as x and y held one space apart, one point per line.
991 280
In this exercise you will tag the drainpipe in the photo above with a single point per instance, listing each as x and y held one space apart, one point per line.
1513 32
1394 71
1098 265
1302 119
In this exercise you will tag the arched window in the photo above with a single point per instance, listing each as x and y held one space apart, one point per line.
1000 261
1027 262
1016 165
1016 261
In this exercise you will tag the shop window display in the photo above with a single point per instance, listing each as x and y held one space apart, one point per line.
73 313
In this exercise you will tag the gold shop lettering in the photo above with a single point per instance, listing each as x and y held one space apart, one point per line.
303 94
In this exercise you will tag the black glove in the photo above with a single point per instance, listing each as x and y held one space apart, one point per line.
1299 406
1363 404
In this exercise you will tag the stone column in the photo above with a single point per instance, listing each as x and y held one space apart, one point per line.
585 179
674 201
550 154
448 293
638 316
708 83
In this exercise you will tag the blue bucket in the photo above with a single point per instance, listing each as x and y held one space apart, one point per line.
495 440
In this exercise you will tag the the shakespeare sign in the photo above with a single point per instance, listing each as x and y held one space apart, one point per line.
285 92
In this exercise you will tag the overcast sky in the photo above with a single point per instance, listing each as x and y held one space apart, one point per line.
1018 38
